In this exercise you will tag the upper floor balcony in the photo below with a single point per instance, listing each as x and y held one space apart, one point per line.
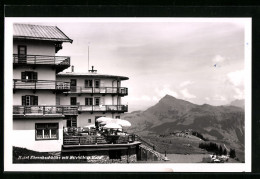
121 91
103 108
41 111
60 63
40 85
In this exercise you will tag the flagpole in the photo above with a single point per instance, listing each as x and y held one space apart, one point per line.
88 56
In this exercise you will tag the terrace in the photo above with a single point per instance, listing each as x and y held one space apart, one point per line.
122 91
74 137
103 108
60 63
47 111
41 85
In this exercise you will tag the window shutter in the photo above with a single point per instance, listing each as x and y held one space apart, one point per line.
35 100
35 76
23 76
23 100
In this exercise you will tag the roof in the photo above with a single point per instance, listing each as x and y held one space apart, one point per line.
39 32
70 74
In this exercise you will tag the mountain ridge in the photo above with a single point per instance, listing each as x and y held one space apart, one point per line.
170 114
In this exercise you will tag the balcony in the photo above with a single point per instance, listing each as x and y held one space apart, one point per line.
103 108
121 91
47 111
60 63
57 86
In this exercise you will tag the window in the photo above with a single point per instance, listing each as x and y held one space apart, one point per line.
73 85
97 83
89 120
45 131
29 76
73 100
97 101
114 154
88 83
29 100
22 51
88 101
117 117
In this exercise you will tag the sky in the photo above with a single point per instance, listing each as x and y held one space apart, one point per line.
201 62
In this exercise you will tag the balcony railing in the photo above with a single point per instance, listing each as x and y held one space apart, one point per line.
103 108
61 62
41 84
45 110
100 90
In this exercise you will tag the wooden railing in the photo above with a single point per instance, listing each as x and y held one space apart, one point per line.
103 108
44 110
40 84
94 139
100 90
41 60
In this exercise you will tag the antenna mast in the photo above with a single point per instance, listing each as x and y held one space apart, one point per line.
88 56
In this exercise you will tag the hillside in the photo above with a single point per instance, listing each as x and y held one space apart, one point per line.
218 123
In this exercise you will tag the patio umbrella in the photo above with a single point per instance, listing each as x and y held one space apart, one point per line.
124 123
112 126
103 119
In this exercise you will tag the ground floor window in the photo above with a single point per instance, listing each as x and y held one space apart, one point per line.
45 131
89 120
115 154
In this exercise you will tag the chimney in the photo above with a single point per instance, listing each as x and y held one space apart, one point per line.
92 70
72 68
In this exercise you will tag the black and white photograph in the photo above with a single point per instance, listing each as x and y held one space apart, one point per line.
124 93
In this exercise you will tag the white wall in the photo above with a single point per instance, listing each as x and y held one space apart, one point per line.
44 97
81 81
82 119
43 73
107 99
24 136
35 47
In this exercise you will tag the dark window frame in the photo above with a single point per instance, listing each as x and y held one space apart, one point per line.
71 100
88 101
88 83
33 100
47 126
99 102
32 74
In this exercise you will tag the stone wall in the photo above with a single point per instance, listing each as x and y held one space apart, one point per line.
127 156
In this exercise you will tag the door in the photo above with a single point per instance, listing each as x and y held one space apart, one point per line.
73 85
22 52
73 100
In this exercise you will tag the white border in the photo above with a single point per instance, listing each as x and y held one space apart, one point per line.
163 167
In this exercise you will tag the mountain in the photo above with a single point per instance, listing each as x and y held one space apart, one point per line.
238 103
223 123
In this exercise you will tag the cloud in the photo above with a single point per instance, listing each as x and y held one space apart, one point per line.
166 90
236 78
239 94
207 98
185 83
187 94
219 98
218 59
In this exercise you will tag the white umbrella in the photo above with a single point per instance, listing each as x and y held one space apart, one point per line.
103 119
124 123
113 126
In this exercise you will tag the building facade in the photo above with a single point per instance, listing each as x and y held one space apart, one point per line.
94 94
37 120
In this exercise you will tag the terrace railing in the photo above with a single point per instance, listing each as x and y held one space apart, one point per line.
100 90
45 110
103 108
41 84
41 59
94 140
